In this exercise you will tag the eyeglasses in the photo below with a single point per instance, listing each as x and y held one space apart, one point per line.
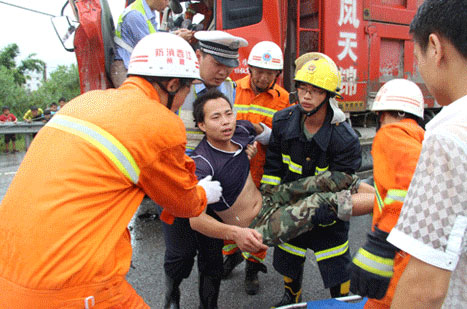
311 90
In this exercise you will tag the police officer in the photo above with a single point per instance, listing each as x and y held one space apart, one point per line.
307 139
217 56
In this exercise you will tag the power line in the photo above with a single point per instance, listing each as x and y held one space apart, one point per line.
27 9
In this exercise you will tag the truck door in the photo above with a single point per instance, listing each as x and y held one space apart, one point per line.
253 20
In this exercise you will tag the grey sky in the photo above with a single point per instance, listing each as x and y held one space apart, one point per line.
34 33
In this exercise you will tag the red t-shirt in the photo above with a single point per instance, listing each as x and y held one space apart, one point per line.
10 117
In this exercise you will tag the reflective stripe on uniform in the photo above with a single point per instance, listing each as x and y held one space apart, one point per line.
320 170
229 247
374 264
293 249
294 167
332 252
104 141
247 255
255 109
395 195
379 200
271 180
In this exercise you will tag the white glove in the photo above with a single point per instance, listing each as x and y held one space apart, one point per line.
213 189
263 138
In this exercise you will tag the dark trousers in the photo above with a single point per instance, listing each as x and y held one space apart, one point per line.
183 244
332 264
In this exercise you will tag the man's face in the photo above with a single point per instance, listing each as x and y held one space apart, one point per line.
310 96
61 103
6 112
261 79
219 121
53 107
157 5
34 112
212 72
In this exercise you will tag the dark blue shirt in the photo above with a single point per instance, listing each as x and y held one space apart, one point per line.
231 169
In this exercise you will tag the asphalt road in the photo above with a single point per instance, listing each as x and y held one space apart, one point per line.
147 275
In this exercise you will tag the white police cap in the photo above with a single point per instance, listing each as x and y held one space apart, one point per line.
221 45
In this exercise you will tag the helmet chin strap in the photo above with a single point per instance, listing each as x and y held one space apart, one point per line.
171 95
267 88
315 110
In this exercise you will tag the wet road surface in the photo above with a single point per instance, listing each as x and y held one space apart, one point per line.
147 274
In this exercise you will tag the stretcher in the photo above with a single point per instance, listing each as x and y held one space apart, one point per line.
353 301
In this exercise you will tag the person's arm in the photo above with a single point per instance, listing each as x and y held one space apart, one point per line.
363 200
247 239
421 286
170 180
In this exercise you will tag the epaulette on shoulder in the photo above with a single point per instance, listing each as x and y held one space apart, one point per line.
345 130
284 114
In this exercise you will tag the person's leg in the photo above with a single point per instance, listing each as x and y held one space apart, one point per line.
233 257
294 191
288 260
7 142
254 264
279 223
13 143
331 248
210 266
180 242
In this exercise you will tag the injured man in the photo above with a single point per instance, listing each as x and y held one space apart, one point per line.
254 219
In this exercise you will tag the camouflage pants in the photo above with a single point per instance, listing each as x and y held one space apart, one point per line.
293 208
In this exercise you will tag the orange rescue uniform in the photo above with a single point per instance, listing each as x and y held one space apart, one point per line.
396 148
256 109
64 240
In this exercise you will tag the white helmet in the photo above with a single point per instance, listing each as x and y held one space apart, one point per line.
266 55
164 54
399 95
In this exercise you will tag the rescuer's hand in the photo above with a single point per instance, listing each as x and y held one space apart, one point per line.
213 189
251 150
372 267
249 240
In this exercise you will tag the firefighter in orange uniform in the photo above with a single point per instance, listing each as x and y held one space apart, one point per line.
70 246
378 265
258 97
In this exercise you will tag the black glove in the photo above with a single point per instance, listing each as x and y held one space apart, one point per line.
372 266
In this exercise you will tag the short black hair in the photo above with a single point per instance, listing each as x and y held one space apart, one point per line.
447 18
34 108
4 108
47 112
53 103
62 99
198 105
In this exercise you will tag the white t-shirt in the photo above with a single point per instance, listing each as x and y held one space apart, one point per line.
432 225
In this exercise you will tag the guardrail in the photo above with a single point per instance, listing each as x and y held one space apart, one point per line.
26 128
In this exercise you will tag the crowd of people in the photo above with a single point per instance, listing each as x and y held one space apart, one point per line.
33 114
238 166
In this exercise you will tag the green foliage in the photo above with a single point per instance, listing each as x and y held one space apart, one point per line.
19 72
63 82
11 94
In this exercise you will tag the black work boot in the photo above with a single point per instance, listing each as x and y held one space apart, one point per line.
230 262
208 291
293 290
251 276
172 293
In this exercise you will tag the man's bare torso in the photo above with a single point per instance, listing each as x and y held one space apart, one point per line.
245 208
